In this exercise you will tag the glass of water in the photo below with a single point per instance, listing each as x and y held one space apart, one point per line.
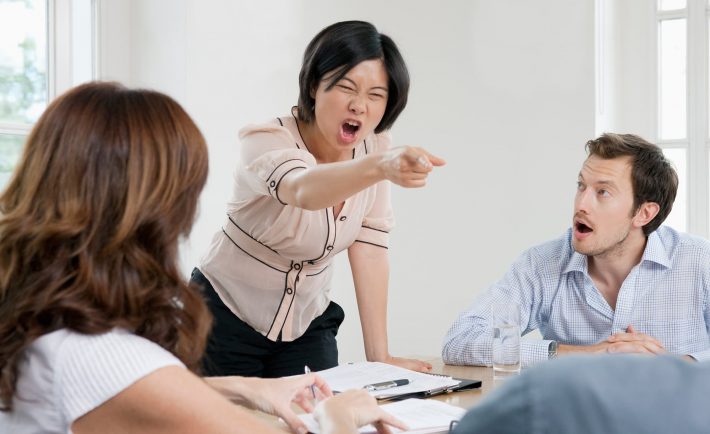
506 339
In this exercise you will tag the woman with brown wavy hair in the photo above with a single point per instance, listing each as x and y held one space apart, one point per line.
97 324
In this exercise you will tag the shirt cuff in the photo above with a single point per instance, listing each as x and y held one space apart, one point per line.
274 180
374 236
533 351
701 356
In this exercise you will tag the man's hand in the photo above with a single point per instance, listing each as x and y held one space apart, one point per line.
630 341
634 342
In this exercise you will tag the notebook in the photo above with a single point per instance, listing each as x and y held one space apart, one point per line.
463 384
421 416
420 385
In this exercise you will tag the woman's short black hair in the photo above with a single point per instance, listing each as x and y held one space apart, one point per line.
337 49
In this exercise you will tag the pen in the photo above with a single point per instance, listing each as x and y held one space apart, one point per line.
386 385
313 386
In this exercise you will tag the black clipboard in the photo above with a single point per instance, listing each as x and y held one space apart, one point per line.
464 384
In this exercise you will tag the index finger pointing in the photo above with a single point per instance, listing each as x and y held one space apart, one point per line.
433 159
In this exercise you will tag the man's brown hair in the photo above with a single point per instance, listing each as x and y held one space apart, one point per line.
653 178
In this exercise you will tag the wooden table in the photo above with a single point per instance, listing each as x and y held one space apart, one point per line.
465 398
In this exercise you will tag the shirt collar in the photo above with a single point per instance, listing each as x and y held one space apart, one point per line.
654 252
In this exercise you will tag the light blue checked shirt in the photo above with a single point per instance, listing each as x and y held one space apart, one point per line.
667 296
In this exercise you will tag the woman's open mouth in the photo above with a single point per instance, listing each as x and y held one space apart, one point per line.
349 130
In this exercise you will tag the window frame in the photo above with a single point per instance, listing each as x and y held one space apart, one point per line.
60 49
697 143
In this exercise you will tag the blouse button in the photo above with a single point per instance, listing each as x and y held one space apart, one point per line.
272 184
329 248
342 219
297 266
289 291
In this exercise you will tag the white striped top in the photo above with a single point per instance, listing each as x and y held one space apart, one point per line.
64 375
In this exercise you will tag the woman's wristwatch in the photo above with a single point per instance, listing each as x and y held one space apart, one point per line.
552 350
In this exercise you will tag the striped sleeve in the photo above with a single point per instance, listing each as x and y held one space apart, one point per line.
91 369
268 154
271 168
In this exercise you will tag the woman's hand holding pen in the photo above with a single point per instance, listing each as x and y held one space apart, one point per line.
275 395
408 166
346 412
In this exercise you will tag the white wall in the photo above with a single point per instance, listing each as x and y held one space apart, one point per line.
627 78
503 89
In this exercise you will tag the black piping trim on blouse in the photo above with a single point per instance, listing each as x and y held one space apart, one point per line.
364 143
283 295
290 304
299 131
279 119
315 274
335 227
276 189
378 230
367 242
247 234
253 257
277 167
327 237
281 302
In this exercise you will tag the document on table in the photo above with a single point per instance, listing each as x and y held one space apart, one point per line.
358 375
420 415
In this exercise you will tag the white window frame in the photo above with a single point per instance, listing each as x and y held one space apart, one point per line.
61 46
696 142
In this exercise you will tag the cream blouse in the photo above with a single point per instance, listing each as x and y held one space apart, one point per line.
271 262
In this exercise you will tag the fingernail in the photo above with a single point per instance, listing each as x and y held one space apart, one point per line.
423 161
302 430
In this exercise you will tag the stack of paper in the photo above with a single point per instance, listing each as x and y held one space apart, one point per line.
420 415
358 375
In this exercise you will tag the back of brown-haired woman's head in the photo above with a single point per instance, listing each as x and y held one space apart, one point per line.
90 222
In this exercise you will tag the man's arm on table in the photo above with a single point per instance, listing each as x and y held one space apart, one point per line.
470 338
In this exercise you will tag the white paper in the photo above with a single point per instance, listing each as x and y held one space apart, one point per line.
358 375
420 415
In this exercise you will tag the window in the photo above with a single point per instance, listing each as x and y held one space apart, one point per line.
682 99
23 75
45 48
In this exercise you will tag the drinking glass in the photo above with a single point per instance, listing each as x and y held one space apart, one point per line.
506 339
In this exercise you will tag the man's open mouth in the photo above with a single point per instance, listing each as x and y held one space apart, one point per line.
582 228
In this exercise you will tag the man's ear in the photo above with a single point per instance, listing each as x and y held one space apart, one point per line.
646 212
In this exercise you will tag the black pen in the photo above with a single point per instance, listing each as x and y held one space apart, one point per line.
386 385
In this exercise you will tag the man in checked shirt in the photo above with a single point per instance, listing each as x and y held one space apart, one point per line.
616 282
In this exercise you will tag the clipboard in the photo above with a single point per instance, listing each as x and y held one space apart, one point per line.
420 385
464 384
